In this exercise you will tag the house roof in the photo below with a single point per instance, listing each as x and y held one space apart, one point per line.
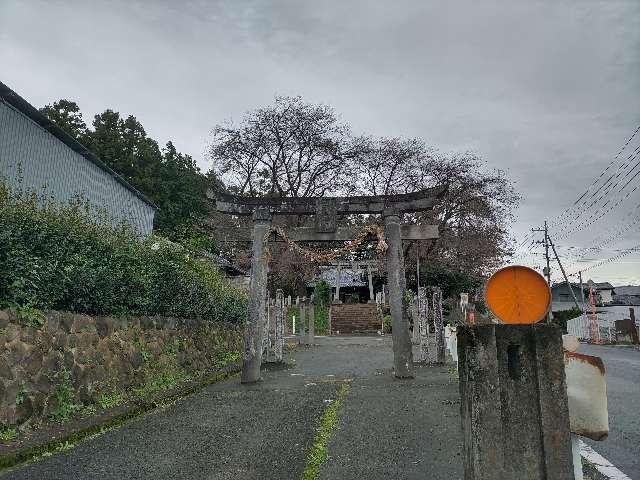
225 264
564 284
628 290
24 107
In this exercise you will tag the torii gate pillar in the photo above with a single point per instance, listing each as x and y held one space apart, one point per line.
257 296
402 347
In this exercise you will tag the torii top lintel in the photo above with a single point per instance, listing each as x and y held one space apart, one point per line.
409 202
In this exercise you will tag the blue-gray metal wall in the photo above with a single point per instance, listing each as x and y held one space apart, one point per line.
31 159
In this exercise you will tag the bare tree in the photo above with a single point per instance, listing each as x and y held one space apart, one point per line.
473 214
289 149
296 149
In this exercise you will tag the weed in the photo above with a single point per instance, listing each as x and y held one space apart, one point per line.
30 316
21 396
227 358
8 434
146 355
109 400
64 396
328 423
163 380
87 410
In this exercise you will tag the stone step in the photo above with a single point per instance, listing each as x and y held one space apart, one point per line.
355 318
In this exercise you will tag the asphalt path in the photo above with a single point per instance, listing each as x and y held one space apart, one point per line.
387 428
622 373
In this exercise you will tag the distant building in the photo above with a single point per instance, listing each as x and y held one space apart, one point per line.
627 295
604 290
562 299
37 156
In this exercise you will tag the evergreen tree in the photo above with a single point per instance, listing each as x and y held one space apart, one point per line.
66 115
172 180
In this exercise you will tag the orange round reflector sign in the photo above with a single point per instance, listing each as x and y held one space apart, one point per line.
518 295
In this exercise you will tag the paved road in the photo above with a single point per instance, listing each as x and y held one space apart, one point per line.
387 428
622 370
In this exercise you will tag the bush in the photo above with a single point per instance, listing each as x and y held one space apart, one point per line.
69 258
563 316
322 301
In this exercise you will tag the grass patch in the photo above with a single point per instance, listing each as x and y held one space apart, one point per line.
7 434
164 380
318 453
64 396
109 400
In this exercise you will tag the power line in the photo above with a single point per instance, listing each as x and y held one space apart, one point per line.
559 217
620 255
579 225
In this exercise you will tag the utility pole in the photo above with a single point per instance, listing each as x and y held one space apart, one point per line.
547 270
584 305
564 274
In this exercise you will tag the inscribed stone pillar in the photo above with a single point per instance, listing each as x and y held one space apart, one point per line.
402 349
336 299
513 402
423 318
279 326
438 325
257 298
370 278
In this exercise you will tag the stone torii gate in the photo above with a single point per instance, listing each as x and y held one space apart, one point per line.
326 211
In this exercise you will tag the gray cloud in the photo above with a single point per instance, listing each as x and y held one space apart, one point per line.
545 90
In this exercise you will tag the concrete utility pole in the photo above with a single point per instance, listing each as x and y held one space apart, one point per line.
584 302
553 247
547 270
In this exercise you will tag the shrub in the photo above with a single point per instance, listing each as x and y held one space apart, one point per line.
563 316
322 300
70 258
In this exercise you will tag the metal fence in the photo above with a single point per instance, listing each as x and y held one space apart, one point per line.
582 328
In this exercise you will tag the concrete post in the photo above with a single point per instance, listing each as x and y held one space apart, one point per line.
257 297
402 349
422 319
266 334
370 278
438 325
279 325
513 402
303 313
415 333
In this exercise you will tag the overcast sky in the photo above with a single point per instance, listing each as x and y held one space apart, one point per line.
549 91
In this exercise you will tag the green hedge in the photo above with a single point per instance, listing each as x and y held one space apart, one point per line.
65 258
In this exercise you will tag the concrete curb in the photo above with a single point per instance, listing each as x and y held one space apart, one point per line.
55 436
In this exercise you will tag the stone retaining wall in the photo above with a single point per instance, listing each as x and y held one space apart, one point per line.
77 359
